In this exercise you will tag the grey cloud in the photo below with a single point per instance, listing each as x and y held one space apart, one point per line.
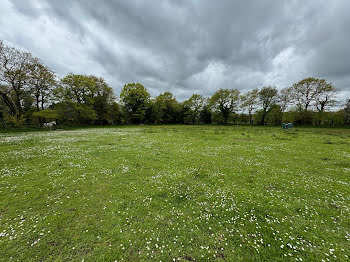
191 46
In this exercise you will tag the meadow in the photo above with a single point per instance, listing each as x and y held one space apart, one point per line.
175 193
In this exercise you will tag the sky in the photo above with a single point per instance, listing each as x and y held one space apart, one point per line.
186 46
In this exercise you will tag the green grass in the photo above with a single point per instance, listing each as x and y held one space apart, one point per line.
184 193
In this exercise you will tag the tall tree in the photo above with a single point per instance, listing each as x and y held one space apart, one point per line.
103 102
73 112
41 82
325 95
347 112
284 99
90 96
14 75
205 115
250 101
192 108
267 97
306 91
167 108
77 88
135 99
7 101
225 101
274 115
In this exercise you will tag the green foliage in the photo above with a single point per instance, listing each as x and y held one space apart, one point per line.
311 91
15 71
225 102
48 114
274 115
136 101
114 115
347 112
28 86
250 101
205 114
89 99
167 109
304 117
336 118
152 114
330 118
258 117
77 88
75 113
16 120
192 109
267 97
41 84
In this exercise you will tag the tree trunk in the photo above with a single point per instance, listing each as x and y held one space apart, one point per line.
263 117
37 103
9 103
42 102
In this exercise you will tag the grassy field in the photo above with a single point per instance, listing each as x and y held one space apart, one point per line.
175 193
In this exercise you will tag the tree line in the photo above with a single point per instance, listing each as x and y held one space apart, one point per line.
32 94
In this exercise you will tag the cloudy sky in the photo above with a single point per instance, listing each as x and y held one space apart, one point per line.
186 46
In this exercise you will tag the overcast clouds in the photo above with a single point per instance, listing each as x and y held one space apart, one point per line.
186 46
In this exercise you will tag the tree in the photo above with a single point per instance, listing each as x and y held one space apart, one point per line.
307 90
284 98
14 75
135 100
205 114
47 114
325 95
167 108
41 82
267 97
94 99
5 92
77 88
274 115
225 101
152 115
114 114
347 112
249 101
337 118
103 101
192 108
75 113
